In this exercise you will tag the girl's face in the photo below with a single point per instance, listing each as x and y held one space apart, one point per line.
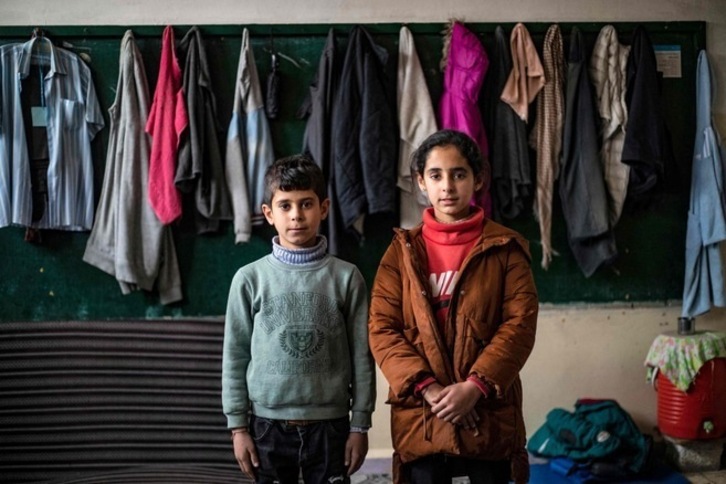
449 183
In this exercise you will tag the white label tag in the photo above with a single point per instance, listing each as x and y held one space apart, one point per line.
668 60
40 119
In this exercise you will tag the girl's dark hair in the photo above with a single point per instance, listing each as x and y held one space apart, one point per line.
296 172
466 146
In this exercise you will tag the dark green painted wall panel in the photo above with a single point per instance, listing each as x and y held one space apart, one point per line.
51 282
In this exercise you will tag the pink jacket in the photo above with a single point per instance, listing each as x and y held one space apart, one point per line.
466 65
167 121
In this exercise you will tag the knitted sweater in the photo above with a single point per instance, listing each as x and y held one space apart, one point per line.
296 340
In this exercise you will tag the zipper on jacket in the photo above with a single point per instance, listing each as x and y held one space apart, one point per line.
432 317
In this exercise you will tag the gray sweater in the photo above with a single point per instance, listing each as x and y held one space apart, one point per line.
296 342
127 240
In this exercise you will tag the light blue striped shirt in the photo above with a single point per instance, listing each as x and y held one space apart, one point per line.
73 117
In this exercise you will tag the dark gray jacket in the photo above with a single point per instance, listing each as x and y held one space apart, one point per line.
318 107
200 173
509 155
582 184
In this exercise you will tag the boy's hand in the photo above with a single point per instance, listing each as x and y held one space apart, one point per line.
245 453
455 404
356 449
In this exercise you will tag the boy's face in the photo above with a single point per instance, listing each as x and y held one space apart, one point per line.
449 183
296 215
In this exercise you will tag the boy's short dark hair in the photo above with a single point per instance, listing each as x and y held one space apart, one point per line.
296 172
466 146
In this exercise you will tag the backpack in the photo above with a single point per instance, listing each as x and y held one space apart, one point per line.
599 438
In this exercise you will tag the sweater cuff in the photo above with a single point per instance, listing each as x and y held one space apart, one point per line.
360 419
485 387
429 380
237 421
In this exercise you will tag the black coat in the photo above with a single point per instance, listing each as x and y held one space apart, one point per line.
647 148
364 143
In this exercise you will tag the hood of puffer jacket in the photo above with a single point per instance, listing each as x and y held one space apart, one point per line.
464 61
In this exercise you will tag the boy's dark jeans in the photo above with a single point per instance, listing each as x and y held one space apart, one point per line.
284 447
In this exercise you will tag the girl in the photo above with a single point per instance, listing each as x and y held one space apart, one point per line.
452 321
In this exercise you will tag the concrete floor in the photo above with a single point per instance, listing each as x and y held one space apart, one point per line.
377 471
716 477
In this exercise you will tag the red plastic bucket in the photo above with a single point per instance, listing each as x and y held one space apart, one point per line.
700 413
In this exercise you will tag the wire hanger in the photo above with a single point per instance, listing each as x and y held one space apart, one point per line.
276 55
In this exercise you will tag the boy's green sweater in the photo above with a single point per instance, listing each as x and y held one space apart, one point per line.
296 343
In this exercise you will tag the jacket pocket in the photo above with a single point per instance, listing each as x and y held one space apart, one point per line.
260 427
497 430
72 114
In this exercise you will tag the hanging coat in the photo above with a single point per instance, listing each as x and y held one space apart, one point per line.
704 279
607 71
167 121
416 121
364 155
546 136
249 146
647 146
199 172
465 65
582 187
509 156
317 107
128 240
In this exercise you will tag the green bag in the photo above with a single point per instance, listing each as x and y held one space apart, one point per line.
598 430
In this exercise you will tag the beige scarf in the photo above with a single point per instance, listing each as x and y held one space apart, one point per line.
527 77
546 136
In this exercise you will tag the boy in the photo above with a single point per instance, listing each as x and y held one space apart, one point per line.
452 321
296 359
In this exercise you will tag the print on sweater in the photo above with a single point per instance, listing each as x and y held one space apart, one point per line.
443 284
301 341
302 322
301 308
291 367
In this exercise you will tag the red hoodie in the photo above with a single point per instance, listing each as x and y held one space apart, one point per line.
447 245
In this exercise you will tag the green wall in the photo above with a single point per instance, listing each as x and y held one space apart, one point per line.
51 282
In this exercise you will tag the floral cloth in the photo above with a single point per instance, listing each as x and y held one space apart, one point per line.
680 357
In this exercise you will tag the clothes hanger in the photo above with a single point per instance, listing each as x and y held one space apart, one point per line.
275 55
42 46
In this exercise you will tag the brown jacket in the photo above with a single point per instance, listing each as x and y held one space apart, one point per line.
490 332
